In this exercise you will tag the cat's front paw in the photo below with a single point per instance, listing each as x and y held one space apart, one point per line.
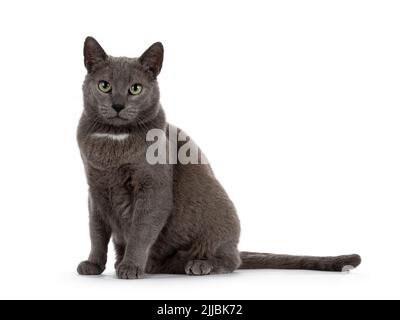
129 271
87 268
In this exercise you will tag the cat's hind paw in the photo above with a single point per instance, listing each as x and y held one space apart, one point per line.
87 268
198 267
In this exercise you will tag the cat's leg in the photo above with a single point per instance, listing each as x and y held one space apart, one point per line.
152 208
119 247
198 267
225 260
100 234
202 267
173 264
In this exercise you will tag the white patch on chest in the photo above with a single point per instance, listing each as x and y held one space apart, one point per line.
112 136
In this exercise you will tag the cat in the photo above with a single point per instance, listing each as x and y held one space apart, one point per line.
162 218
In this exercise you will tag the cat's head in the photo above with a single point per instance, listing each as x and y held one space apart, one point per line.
121 91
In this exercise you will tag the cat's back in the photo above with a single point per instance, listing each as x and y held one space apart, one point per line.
201 205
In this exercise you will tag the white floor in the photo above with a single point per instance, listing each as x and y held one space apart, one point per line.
258 284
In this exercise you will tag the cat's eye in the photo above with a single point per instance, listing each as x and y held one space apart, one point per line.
104 86
136 89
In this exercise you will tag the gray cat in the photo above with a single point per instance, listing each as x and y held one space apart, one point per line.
163 218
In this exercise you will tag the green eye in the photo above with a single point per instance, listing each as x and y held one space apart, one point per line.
104 86
136 89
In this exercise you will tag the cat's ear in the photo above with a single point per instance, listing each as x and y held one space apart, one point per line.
152 59
93 53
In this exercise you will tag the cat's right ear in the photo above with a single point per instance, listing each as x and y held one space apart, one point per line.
94 54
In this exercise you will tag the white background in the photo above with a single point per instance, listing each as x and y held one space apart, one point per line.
296 104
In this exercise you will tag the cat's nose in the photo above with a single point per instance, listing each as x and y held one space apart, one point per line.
118 107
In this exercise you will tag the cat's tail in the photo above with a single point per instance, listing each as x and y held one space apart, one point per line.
253 260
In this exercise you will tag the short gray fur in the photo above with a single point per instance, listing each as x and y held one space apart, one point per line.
163 218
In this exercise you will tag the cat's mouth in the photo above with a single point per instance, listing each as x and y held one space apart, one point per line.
117 120
117 117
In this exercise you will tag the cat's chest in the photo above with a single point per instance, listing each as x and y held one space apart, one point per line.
112 150
114 190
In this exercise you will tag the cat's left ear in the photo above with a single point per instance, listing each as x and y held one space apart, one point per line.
94 54
152 59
